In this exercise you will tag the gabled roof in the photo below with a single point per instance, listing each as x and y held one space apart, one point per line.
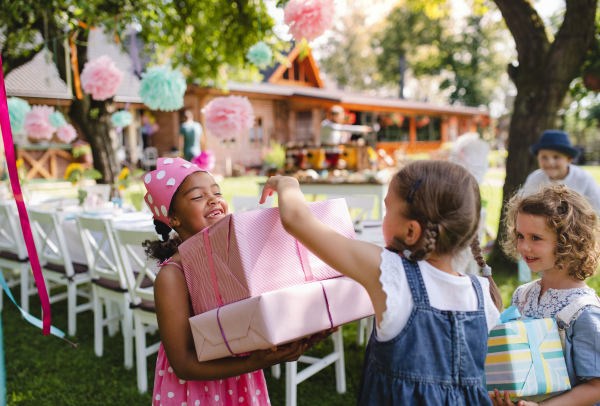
39 77
300 70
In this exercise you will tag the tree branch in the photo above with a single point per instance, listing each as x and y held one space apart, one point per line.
572 40
528 31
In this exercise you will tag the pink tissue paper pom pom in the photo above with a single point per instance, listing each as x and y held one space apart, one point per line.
205 161
66 133
228 116
101 78
37 125
309 18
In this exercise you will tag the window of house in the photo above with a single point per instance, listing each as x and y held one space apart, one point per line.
429 128
257 132
393 127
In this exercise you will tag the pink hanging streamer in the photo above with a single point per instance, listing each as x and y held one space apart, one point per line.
9 150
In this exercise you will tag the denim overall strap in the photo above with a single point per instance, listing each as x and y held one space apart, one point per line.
415 281
479 291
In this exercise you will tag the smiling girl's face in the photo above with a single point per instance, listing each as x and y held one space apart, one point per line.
535 242
198 204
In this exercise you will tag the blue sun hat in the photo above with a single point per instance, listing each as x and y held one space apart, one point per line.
555 140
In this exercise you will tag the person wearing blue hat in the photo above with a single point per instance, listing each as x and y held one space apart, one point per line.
555 153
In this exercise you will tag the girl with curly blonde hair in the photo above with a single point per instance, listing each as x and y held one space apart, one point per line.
556 232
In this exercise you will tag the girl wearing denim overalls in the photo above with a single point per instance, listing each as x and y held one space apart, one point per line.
430 341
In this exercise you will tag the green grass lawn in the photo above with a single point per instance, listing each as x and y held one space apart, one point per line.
48 371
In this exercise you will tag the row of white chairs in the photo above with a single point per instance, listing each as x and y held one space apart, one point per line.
107 282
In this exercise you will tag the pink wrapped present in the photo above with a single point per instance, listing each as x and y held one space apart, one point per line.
278 317
249 253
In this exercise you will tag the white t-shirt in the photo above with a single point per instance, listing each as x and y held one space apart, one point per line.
577 179
445 292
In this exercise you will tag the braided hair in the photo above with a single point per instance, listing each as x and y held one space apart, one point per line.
165 249
444 199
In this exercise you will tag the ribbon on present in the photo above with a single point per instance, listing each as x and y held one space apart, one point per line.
511 313
9 150
211 266
303 252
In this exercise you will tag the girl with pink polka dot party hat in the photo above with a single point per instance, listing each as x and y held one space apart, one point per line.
186 199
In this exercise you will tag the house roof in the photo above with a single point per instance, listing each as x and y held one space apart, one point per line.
39 77
356 100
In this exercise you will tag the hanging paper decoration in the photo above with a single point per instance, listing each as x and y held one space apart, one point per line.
17 110
162 88
101 78
66 133
57 119
37 124
228 116
260 54
309 18
205 161
121 119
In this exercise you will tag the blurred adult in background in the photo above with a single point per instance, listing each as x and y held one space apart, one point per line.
190 134
333 132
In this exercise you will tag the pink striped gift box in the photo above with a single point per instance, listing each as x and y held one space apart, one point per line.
249 253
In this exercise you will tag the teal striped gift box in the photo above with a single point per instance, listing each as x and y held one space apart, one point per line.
525 358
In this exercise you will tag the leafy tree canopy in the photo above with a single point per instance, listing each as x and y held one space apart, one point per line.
204 37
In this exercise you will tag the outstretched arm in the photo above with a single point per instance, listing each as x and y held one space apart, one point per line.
172 310
357 259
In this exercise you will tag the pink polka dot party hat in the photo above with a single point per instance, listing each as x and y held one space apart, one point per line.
163 182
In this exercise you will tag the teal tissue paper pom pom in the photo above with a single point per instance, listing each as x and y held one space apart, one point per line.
57 119
162 88
260 54
121 118
17 110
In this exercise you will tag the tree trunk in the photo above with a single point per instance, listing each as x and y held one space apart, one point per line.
91 116
542 79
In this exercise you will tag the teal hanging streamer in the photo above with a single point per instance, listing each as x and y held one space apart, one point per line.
33 320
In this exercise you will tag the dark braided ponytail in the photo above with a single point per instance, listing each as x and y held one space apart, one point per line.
494 291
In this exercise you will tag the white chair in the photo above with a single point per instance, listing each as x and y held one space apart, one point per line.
246 203
142 296
100 190
361 208
109 283
293 378
14 260
57 267
149 158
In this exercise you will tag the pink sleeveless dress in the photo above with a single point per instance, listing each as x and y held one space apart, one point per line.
248 389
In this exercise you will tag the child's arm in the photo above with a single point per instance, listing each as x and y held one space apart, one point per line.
357 259
173 313
584 394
